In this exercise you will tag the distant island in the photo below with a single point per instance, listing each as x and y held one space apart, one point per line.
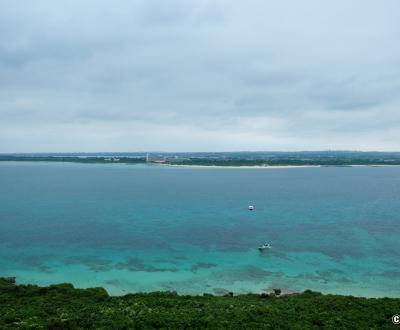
64 307
230 159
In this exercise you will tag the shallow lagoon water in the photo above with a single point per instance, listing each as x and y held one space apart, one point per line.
134 228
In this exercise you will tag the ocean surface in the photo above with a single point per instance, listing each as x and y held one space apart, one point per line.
134 228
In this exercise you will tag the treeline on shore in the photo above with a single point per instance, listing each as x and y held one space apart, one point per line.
64 307
73 159
214 161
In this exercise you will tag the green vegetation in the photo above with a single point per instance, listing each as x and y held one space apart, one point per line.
73 159
285 162
64 307
323 158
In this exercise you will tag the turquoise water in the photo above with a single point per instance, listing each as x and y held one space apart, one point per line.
143 228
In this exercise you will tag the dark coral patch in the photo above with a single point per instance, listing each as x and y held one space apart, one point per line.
137 265
202 265
92 263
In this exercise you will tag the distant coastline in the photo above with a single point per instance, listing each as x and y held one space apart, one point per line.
240 166
272 166
194 166
258 160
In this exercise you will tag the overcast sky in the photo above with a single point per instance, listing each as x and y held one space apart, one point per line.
199 75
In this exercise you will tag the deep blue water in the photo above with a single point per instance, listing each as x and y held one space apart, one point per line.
142 228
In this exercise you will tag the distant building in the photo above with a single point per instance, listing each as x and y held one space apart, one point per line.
155 158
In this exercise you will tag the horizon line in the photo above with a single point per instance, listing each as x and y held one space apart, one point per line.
198 152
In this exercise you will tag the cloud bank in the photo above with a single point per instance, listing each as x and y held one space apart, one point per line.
186 75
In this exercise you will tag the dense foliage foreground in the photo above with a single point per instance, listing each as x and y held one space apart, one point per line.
64 307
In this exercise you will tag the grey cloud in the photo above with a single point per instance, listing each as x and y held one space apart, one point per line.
263 75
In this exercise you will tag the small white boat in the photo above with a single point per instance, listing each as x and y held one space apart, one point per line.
251 207
264 246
